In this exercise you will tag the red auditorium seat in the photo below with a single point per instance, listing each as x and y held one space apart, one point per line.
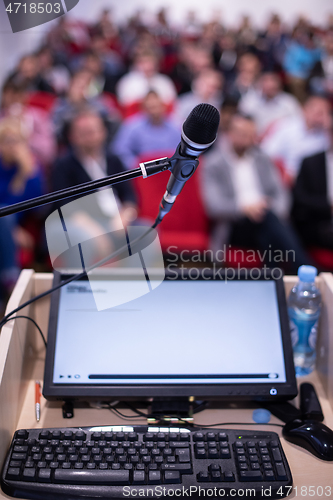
42 100
322 257
186 226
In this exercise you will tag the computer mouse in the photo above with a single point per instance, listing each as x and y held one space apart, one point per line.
311 435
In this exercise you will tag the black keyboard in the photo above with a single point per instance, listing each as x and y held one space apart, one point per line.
120 462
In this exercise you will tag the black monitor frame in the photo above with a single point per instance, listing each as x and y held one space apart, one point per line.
147 392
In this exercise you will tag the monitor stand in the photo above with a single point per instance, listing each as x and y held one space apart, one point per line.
173 411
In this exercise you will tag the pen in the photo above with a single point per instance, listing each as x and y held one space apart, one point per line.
37 400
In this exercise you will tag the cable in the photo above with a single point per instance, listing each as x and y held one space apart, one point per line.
201 426
125 417
80 275
33 321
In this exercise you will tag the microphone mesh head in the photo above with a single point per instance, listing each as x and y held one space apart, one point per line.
202 124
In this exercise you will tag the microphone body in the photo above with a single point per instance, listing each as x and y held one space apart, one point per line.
199 133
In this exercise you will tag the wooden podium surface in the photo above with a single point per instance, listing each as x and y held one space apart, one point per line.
22 356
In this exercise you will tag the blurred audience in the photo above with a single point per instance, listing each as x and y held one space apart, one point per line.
245 198
36 122
296 137
20 180
88 159
76 99
313 199
96 97
152 132
144 76
321 77
268 104
248 71
206 87
300 57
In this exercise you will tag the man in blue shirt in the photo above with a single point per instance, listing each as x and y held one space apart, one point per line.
150 133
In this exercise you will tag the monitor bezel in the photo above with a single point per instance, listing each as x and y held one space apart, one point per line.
145 392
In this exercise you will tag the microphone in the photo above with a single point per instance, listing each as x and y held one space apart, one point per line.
199 132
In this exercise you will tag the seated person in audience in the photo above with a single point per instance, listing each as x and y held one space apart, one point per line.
295 138
151 132
244 197
20 176
321 77
35 121
206 87
20 180
313 199
28 72
88 160
55 74
144 76
248 71
76 99
268 104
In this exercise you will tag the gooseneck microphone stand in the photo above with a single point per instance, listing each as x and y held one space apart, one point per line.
146 170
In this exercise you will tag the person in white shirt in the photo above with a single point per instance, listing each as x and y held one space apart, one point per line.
206 87
135 85
269 104
245 200
295 138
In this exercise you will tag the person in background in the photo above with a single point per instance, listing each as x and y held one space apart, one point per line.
144 76
20 175
312 211
150 132
272 45
75 100
299 59
35 121
206 87
28 73
20 180
54 74
294 138
244 197
321 77
248 71
88 159
268 103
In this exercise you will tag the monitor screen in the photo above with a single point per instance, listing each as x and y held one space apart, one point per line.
187 333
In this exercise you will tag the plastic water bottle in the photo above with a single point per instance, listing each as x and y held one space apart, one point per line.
304 304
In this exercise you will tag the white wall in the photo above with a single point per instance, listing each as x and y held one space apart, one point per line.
12 46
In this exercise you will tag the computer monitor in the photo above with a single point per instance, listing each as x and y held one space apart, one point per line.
215 337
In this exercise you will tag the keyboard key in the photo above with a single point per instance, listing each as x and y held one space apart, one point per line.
216 476
183 455
198 436
20 449
210 436
29 474
178 444
280 471
172 477
222 436
19 456
23 434
107 477
229 476
14 463
255 466
203 477
276 454
139 477
13 473
274 444
250 475
44 475
213 453
269 475
182 468
154 477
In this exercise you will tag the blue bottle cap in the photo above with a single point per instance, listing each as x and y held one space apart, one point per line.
307 273
261 416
